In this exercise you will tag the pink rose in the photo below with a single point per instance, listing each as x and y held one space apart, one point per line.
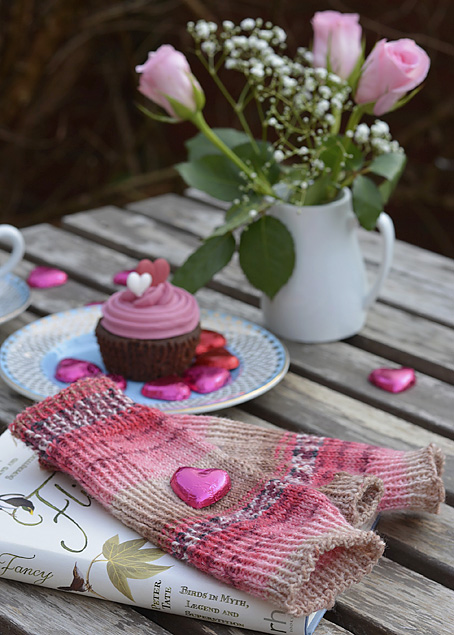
390 71
337 41
166 73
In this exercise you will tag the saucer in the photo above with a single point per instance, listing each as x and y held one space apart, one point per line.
14 297
29 357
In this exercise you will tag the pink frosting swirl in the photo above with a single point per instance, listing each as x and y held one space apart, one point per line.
161 312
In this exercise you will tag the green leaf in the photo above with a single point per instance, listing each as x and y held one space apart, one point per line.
118 579
354 159
128 560
367 201
267 254
129 552
205 262
388 165
214 174
333 152
199 146
110 546
257 160
339 149
317 193
240 214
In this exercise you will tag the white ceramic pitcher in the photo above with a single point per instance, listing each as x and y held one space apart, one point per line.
327 296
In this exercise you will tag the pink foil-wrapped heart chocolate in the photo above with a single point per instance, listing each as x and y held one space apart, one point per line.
199 488
70 369
159 270
209 340
393 379
121 276
46 277
219 357
167 389
119 380
206 379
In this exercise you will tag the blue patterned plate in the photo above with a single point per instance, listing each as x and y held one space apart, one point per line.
14 297
28 358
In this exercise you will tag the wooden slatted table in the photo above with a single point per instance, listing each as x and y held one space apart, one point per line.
326 392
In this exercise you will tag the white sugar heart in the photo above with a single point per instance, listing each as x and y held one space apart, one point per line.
138 283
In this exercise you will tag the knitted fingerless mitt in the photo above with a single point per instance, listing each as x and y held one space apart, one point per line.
281 541
358 478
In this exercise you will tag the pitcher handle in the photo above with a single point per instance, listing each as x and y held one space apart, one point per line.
386 229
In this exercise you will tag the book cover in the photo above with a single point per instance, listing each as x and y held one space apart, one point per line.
53 534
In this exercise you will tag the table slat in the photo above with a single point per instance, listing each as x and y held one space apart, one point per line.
396 601
26 609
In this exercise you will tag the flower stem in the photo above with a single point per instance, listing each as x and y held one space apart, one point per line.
355 117
259 185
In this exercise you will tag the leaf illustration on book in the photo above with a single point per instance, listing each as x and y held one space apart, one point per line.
77 584
128 560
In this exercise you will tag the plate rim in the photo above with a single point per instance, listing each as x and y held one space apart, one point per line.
20 388
20 308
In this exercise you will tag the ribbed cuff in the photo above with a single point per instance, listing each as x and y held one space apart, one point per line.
80 404
356 496
412 479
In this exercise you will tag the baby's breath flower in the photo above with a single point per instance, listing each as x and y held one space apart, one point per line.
289 82
330 119
321 73
335 79
279 156
310 84
395 147
257 70
381 145
247 24
322 107
240 40
265 35
337 102
208 47
279 34
379 128
231 63
228 25
204 29
325 92
362 133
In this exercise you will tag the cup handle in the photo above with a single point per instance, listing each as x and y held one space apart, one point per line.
386 229
13 237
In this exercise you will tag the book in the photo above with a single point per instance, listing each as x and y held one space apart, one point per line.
52 534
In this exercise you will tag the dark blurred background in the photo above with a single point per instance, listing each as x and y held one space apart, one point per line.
72 138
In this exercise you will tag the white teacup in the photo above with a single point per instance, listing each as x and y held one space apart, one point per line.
11 236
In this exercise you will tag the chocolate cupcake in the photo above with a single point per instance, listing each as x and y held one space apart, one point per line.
150 329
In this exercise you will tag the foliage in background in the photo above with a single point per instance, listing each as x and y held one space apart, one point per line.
72 138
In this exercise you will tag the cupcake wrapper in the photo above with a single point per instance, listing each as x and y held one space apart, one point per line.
145 360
